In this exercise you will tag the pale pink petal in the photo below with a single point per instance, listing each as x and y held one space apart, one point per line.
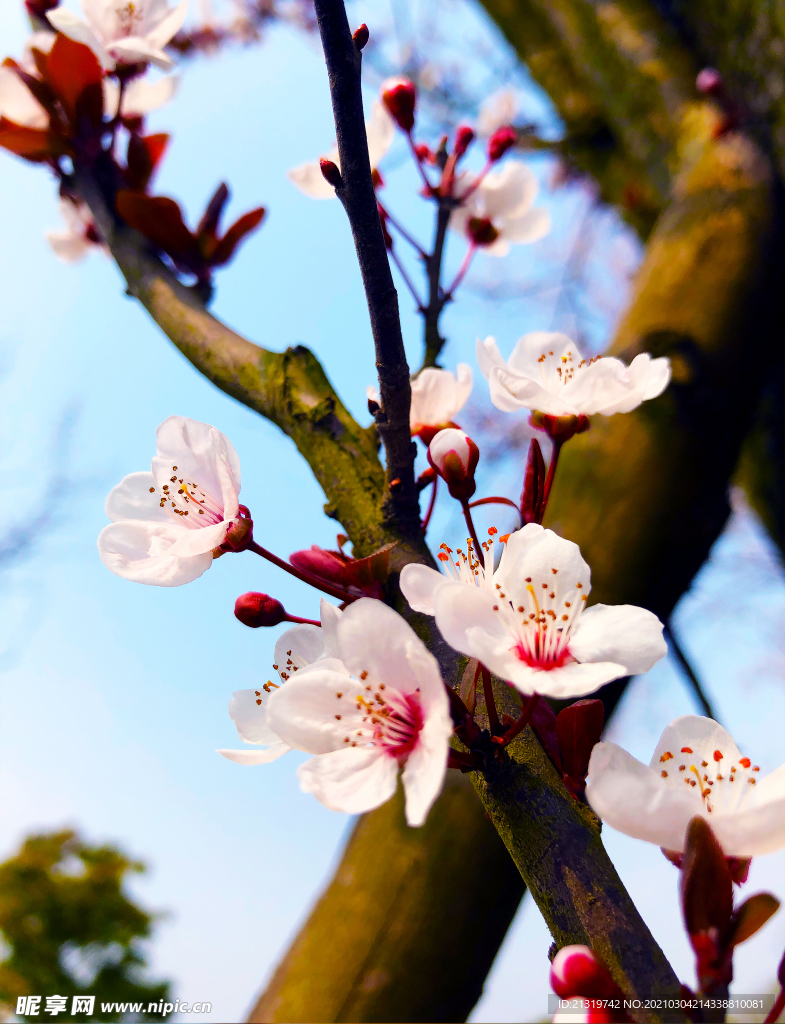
497 111
307 713
309 179
248 711
488 356
423 775
510 392
18 104
355 780
529 227
330 617
380 132
136 49
527 359
142 552
621 633
141 96
658 376
572 680
131 499
203 455
752 832
373 638
168 26
419 584
299 646
255 756
467 621
509 191
702 734
450 441
66 22
67 246
630 797
437 396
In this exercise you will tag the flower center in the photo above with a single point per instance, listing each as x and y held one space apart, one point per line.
548 615
185 499
722 786
481 231
466 568
388 719
129 18
558 370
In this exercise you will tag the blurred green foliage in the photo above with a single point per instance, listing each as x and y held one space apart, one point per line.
69 928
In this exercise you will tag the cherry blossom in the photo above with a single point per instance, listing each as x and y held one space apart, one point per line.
79 236
380 707
499 211
379 131
454 456
123 31
168 524
419 583
437 397
296 650
696 769
532 628
546 372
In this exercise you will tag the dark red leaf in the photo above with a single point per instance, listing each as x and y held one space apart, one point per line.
235 235
144 153
208 225
578 728
72 68
31 144
752 915
706 884
533 483
160 220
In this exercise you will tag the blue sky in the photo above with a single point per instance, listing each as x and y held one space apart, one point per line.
114 695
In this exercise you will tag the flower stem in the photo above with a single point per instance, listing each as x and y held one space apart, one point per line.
402 231
496 500
490 703
305 577
467 515
431 505
418 161
464 267
518 726
407 280
303 622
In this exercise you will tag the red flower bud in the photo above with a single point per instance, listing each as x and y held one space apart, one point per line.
256 610
464 136
239 536
501 140
38 8
560 428
454 456
399 96
330 172
576 971
361 36
424 152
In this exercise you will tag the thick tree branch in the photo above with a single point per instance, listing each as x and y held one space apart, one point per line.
356 192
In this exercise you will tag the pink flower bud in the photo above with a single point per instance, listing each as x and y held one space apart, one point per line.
454 456
38 8
576 971
501 140
709 82
330 172
464 136
399 96
256 610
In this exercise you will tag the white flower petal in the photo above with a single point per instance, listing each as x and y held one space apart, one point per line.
507 192
309 179
142 552
438 396
573 680
67 246
753 832
168 26
299 646
488 356
629 796
66 22
531 350
307 713
141 96
255 756
330 616
622 633
423 776
380 132
354 781
18 104
497 111
510 392
250 717
703 734
528 227
131 499
419 584
203 455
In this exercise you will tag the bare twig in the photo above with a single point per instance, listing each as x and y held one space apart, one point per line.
689 672
356 192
